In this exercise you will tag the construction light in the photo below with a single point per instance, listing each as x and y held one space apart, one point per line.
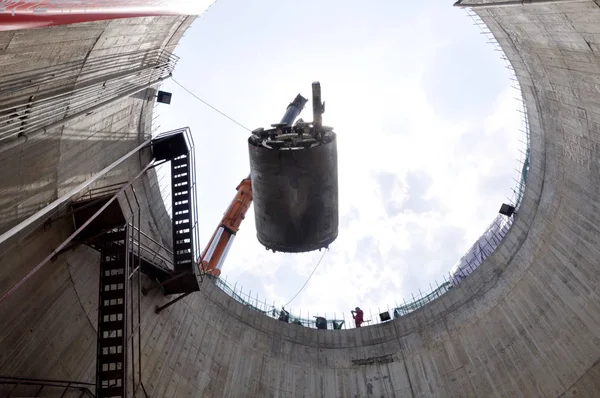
384 316
507 210
164 97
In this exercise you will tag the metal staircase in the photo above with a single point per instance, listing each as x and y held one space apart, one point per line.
177 147
111 365
103 224
182 212
126 251
116 234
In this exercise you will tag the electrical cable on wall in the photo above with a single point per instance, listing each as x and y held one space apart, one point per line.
210 106
310 276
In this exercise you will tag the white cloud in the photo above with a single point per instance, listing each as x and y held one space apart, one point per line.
422 170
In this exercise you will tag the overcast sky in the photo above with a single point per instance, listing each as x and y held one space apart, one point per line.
427 137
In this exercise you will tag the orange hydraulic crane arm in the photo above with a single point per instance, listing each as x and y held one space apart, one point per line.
215 252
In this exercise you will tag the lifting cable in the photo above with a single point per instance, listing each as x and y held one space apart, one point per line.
310 276
209 105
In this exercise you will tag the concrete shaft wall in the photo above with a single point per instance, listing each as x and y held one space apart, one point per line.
45 325
526 323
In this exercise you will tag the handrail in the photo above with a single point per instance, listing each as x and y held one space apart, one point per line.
154 241
156 254
8 378
83 387
103 190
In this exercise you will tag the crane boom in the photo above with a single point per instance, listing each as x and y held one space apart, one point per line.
215 252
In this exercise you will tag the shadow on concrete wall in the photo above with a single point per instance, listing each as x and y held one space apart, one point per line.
36 173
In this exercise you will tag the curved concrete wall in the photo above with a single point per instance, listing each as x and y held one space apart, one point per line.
46 331
525 323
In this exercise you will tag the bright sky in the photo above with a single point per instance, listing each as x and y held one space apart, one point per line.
427 137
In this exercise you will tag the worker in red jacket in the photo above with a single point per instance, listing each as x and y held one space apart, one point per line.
357 314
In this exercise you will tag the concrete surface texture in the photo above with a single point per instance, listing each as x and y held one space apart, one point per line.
525 323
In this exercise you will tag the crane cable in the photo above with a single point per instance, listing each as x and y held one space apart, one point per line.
310 276
209 105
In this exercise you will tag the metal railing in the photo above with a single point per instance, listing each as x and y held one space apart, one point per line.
19 386
333 321
150 254
133 286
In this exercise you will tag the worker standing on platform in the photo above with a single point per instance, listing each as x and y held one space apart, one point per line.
284 315
357 314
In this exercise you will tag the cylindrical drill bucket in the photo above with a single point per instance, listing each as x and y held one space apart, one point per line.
295 192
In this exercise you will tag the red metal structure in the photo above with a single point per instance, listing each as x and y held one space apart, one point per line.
27 14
